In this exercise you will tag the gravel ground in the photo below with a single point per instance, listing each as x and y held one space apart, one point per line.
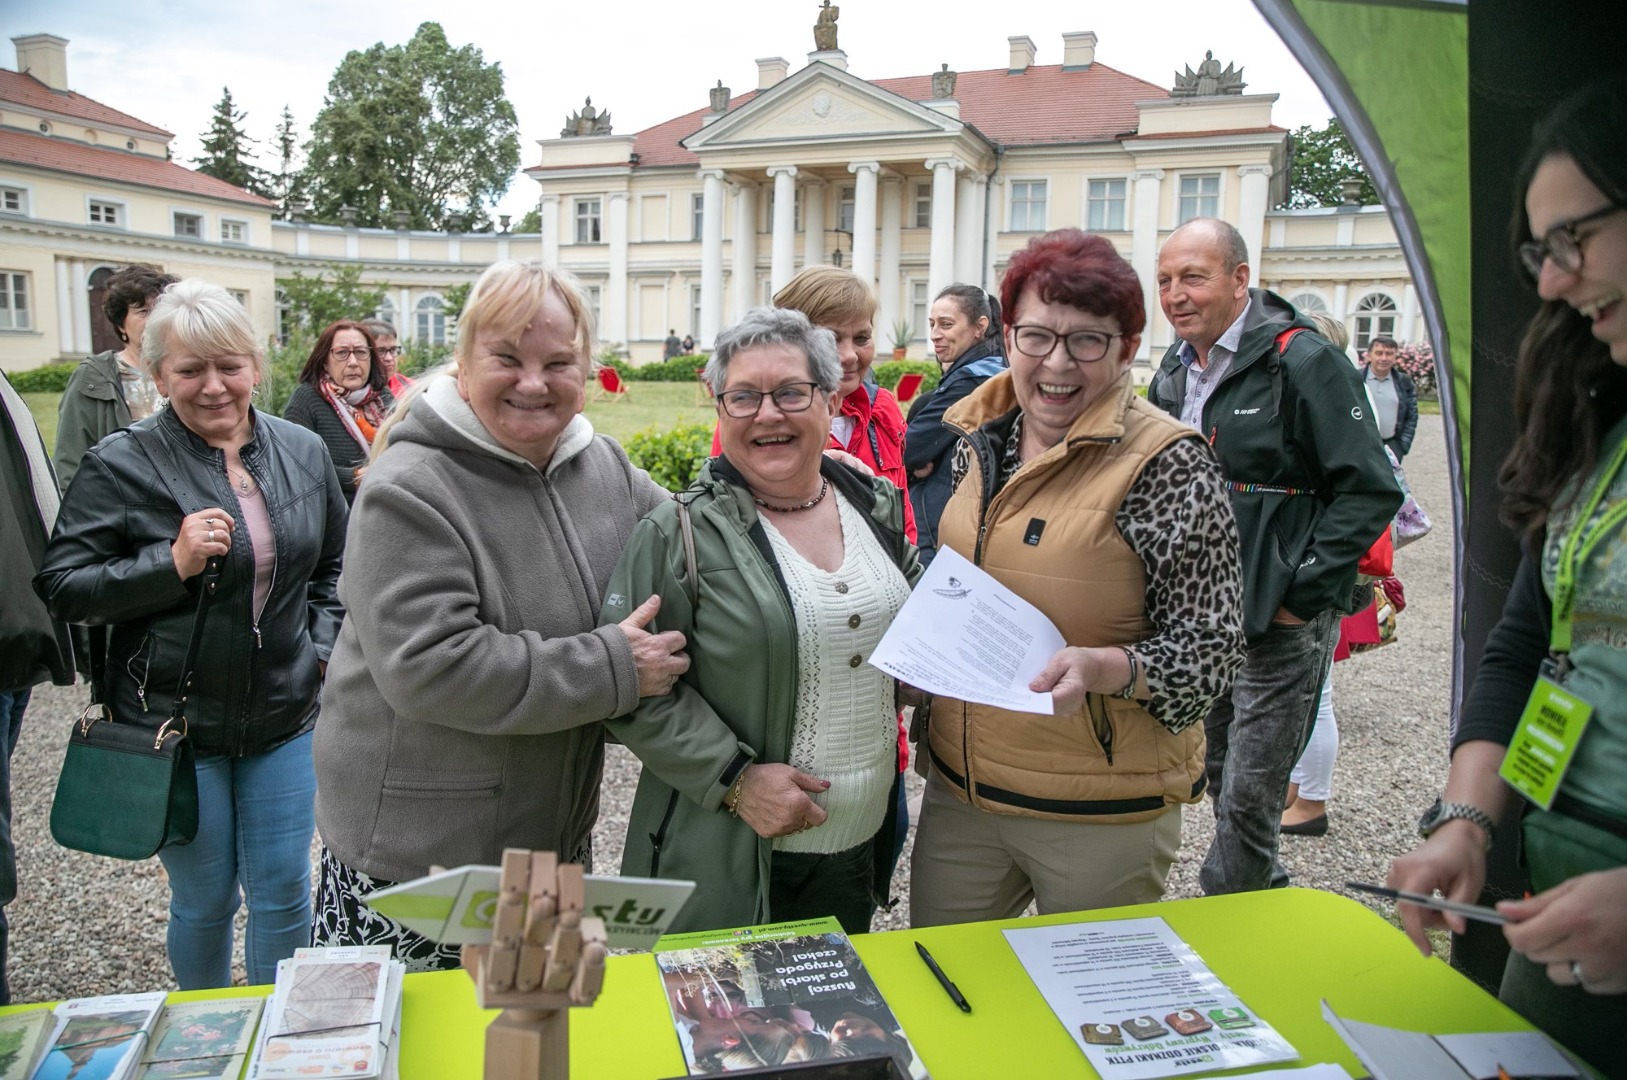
83 925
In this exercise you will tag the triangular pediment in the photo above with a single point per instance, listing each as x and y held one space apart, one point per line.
824 103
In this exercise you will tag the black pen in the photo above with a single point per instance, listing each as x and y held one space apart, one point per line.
1435 903
943 980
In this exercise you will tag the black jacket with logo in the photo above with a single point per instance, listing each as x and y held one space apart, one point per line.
1312 487
256 684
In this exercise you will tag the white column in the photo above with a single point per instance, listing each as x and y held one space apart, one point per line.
711 254
64 310
79 289
403 243
405 322
941 261
503 249
615 297
813 223
302 239
864 218
1341 310
1251 211
548 209
783 265
1144 251
968 229
892 245
991 197
1405 329
745 249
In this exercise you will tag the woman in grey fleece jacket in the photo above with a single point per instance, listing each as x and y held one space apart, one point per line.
462 707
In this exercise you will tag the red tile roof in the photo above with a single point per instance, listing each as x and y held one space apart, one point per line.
25 90
1042 105
82 159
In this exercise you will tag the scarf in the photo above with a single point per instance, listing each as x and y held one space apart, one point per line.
361 411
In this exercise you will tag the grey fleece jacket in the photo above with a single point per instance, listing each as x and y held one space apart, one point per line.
463 699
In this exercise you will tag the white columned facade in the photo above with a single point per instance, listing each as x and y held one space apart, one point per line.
1341 311
782 266
745 248
1251 206
79 289
813 223
615 298
864 218
892 246
711 254
941 261
968 229
64 310
992 191
1406 329
548 208
406 321
1144 248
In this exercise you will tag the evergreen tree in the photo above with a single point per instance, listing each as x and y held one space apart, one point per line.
287 184
227 152
421 127
1323 158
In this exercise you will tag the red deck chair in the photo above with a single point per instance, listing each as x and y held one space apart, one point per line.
610 386
908 387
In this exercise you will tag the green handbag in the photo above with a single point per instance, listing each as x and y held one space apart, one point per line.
126 790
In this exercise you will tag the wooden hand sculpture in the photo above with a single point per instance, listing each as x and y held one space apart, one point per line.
545 957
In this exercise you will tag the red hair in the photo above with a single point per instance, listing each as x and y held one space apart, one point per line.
1080 269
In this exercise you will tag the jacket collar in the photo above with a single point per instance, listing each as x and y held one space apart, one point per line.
443 399
720 473
981 349
165 421
996 399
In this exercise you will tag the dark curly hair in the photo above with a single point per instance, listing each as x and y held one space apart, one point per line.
1568 393
133 286
1080 269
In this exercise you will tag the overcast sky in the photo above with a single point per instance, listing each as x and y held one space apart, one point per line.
645 62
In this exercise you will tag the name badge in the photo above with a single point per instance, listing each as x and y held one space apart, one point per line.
1545 742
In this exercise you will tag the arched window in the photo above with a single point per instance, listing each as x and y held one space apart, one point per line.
386 310
285 317
1308 302
1376 316
431 321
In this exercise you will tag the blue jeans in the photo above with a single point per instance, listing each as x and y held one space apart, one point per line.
1256 734
12 704
256 816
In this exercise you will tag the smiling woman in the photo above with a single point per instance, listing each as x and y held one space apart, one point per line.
343 396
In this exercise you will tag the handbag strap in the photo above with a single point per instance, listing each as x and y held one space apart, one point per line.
686 530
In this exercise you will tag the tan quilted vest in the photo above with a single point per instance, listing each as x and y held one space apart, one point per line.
1110 761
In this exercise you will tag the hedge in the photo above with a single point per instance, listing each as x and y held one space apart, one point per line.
673 457
46 379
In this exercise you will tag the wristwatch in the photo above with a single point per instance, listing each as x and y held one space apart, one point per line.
1442 812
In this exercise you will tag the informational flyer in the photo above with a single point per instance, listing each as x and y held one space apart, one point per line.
962 634
1140 1003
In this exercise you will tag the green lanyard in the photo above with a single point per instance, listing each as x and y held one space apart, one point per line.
1578 547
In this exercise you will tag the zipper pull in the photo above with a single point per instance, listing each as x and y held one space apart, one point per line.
256 635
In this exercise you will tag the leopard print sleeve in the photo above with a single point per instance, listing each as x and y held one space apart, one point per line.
1178 518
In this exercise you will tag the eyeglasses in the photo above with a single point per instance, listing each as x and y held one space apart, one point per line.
389 350
790 398
1562 244
1082 346
350 354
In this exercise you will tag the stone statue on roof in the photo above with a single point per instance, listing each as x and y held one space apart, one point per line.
943 84
1209 80
589 121
825 27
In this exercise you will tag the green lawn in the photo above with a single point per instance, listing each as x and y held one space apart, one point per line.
646 405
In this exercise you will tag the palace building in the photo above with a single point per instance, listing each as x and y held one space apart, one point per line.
913 182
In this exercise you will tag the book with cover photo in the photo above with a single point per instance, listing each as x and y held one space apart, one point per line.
22 1042
771 995
100 1038
202 1040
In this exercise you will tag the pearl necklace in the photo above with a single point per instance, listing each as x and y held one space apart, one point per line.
824 486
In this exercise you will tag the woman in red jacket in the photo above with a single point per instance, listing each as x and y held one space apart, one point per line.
870 425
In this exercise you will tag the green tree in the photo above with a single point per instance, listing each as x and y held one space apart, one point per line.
454 297
316 301
228 153
420 127
286 185
1323 157
532 222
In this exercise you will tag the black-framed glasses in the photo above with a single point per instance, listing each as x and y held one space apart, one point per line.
1082 346
790 398
389 350
1562 243
354 353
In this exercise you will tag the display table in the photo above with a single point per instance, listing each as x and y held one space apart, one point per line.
1281 951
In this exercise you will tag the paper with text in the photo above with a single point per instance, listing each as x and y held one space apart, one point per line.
1140 1003
963 635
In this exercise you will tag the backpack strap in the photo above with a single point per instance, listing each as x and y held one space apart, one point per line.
686 531
1283 340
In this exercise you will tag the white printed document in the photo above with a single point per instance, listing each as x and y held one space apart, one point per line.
963 635
1140 1003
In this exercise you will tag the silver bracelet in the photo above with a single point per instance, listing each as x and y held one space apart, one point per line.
1135 674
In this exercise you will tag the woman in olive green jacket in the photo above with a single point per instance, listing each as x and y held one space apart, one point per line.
738 768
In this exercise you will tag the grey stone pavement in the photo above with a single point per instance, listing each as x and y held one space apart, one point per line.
83 925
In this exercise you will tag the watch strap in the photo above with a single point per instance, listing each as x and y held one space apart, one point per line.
1449 811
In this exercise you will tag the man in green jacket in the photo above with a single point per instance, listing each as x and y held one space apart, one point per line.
1312 490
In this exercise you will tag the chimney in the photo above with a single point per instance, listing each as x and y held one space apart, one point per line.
1078 50
44 56
771 70
1022 54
